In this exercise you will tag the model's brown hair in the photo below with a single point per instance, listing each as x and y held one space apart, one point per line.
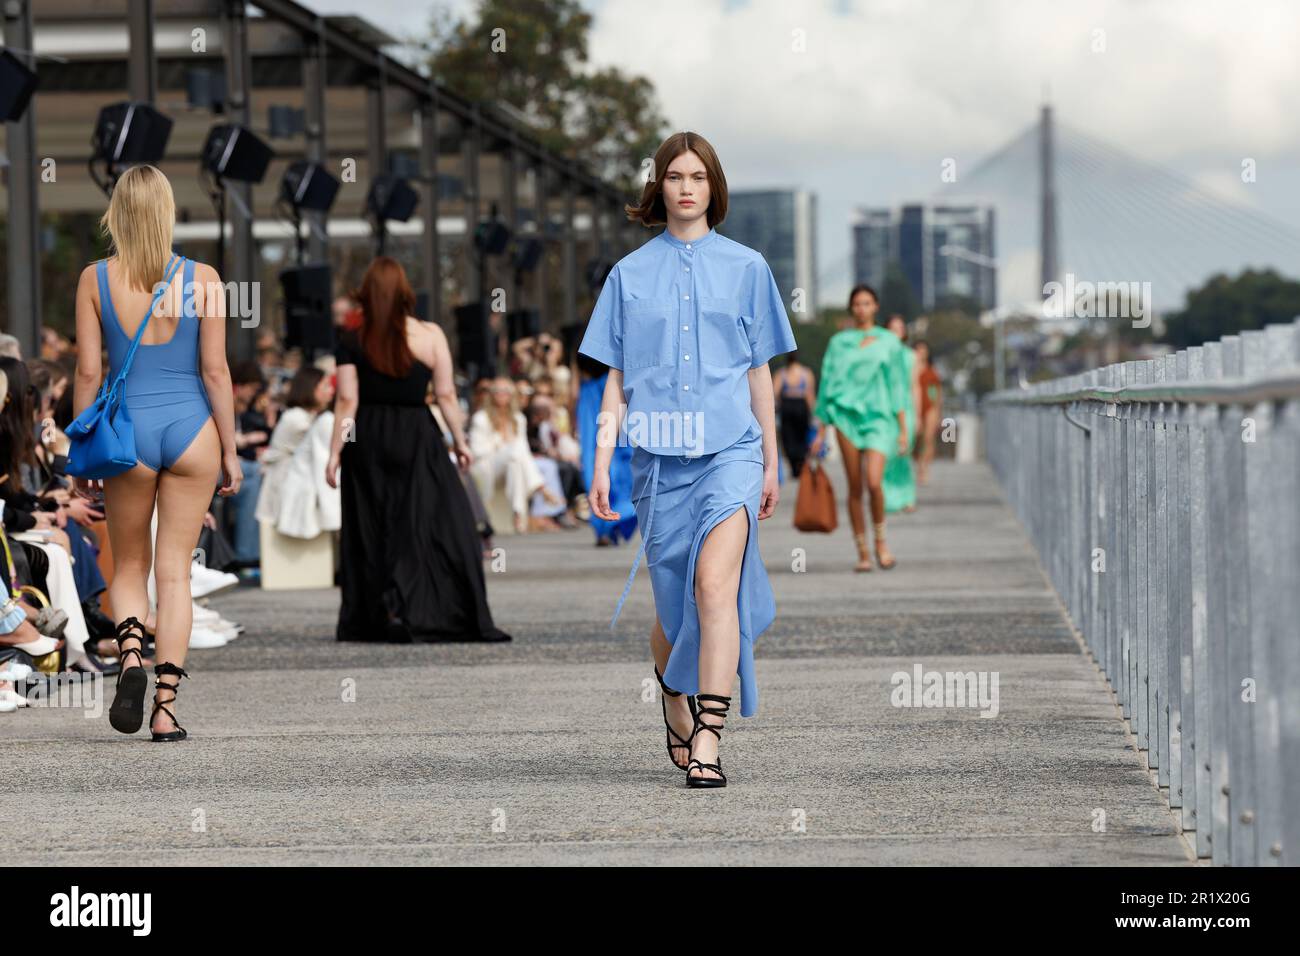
386 300
650 211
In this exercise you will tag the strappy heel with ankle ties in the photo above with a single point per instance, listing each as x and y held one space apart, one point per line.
170 669
880 539
716 729
864 552
663 700
127 712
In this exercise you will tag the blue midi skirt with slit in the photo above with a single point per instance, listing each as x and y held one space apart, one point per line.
678 501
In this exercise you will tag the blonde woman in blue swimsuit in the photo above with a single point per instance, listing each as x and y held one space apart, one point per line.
181 404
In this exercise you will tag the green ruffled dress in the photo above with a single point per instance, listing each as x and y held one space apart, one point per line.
863 387
898 481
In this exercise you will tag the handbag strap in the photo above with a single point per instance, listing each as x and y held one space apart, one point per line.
9 560
173 263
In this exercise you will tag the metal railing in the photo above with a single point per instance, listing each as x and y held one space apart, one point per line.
1163 497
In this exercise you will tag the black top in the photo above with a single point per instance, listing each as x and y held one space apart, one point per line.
376 388
253 421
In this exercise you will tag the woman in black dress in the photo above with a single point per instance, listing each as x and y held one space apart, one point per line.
411 564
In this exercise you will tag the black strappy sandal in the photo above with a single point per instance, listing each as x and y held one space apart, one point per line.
127 712
690 702
721 780
167 667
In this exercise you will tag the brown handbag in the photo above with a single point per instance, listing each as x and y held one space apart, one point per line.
814 506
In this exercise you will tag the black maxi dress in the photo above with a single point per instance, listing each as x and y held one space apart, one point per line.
410 562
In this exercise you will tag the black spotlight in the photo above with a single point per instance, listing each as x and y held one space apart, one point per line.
235 153
528 252
491 237
17 84
391 198
475 342
523 324
127 134
308 320
308 185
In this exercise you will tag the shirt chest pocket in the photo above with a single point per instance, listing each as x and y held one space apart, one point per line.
648 332
722 335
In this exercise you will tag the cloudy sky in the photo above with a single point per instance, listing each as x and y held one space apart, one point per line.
862 101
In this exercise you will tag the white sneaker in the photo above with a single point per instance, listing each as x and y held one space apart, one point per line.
205 581
204 615
12 698
15 671
201 638
234 626
6 706
224 628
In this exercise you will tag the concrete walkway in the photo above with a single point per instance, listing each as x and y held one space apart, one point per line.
551 749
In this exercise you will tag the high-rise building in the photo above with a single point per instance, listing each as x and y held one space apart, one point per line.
943 250
782 225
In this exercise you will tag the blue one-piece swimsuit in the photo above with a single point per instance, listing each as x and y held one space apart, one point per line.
164 392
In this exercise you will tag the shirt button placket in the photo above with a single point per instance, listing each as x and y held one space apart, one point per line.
688 311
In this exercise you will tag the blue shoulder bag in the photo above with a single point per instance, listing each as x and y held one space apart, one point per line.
101 440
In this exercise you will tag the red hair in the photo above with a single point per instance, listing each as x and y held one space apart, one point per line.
386 300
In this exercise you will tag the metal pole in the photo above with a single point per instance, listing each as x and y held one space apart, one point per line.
23 234
315 149
540 179
242 268
141 64
431 249
377 144
570 254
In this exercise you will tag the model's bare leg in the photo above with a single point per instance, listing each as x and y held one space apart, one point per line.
184 493
852 456
929 430
717 586
876 494
129 502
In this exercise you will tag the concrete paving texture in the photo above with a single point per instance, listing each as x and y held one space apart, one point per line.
550 749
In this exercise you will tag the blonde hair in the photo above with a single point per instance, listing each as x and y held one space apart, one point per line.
138 222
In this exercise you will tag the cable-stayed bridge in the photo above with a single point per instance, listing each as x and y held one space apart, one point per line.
1069 202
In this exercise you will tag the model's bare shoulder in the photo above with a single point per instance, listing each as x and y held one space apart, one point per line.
207 286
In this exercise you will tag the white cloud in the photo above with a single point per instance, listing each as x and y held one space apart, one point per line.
885 89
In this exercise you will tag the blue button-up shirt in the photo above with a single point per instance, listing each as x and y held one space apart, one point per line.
685 322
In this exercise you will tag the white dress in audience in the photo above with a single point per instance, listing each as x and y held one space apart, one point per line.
294 497
495 455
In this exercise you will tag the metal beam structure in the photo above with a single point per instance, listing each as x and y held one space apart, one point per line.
241 266
142 65
431 248
332 52
24 236
316 149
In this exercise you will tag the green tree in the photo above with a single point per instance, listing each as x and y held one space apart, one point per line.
532 55
1225 306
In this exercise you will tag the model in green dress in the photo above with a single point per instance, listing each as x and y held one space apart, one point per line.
899 481
863 397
